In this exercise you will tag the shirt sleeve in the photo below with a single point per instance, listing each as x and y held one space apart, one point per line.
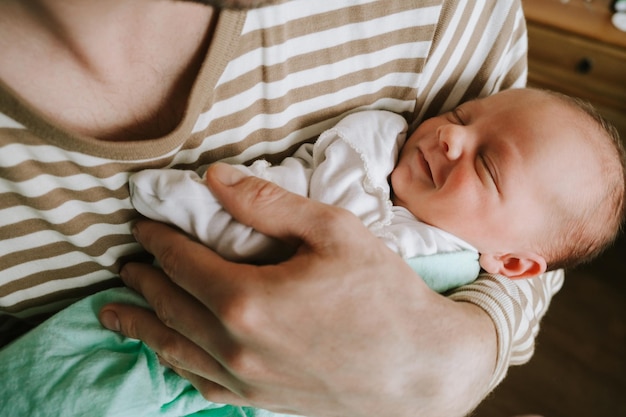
516 308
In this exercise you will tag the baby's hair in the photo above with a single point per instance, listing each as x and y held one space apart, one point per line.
578 239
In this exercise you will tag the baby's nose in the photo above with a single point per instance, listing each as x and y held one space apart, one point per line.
451 141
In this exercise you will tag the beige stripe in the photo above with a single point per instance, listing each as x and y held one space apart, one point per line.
67 296
516 72
326 21
337 53
57 197
32 168
497 51
436 104
315 90
46 251
73 227
475 40
506 40
266 135
23 137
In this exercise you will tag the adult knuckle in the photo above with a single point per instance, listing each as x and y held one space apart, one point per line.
169 259
337 221
162 311
243 364
267 192
214 393
241 315
240 392
336 215
252 395
265 196
210 392
170 349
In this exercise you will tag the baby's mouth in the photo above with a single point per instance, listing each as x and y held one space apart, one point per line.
425 166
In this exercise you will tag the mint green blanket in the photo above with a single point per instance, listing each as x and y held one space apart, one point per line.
71 366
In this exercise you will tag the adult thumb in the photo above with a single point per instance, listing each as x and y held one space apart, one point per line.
265 206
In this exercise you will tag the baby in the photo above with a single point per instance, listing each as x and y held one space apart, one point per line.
523 181
529 179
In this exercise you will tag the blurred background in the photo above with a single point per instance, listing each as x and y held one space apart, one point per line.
579 366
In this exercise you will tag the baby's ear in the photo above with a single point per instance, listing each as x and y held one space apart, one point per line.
514 265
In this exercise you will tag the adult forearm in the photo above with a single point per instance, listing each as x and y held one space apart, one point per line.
461 363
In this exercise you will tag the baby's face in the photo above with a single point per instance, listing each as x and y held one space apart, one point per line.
491 170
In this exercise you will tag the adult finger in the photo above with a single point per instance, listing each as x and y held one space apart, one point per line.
217 393
210 390
142 324
174 307
219 285
185 261
179 321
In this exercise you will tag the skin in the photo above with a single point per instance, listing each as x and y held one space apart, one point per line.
97 83
501 161
236 4
247 335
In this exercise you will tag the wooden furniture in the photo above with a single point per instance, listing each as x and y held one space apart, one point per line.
574 48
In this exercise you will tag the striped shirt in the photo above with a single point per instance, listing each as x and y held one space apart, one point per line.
274 78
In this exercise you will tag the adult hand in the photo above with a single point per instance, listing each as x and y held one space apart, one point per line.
342 328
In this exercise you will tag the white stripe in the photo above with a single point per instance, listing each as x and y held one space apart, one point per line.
43 184
326 39
438 81
486 42
83 239
7 122
65 212
304 78
504 66
263 148
50 287
476 60
277 120
471 68
272 16
50 264
17 153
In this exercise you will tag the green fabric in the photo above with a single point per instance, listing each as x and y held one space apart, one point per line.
71 366
445 271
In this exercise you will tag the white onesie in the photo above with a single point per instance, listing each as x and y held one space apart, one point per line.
348 166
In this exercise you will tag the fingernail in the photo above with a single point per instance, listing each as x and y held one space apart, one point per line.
226 174
110 320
